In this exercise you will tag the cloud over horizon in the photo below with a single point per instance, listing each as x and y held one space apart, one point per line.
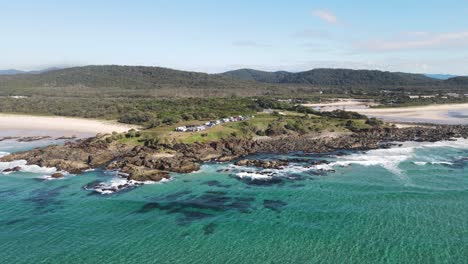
418 41
325 15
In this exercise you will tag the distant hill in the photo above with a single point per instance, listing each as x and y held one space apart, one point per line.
15 72
441 76
113 80
460 81
332 77
259 76
138 81
10 72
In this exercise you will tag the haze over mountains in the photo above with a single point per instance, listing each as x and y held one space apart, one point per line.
15 72
157 81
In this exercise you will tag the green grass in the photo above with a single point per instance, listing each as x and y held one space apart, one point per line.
292 123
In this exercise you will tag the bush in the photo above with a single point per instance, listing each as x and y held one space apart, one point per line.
136 117
374 122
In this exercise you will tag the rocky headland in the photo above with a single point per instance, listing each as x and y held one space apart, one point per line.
141 163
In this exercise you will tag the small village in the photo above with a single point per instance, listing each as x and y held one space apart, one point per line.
210 124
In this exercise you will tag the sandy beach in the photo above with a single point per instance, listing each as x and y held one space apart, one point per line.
52 125
436 114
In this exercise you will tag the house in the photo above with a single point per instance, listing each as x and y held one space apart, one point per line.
414 96
466 95
196 128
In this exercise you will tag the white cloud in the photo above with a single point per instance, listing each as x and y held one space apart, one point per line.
418 40
326 16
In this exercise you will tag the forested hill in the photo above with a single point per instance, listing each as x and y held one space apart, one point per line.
129 81
333 77
458 81
138 81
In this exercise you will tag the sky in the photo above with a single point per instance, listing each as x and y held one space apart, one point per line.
215 36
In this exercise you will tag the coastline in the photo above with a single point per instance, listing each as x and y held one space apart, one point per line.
141 163
11 124
438 113
444 114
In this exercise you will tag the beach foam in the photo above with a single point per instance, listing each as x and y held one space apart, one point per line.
26 168
391 158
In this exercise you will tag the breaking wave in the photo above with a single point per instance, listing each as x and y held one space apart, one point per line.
22 164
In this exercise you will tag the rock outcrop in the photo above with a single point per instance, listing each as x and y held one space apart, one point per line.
265 164
144 163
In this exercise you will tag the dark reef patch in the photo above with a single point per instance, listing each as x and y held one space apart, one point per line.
297 185
7 193
216 184
45 198
209 229
274 205
177 195
13 221
190 208
458 163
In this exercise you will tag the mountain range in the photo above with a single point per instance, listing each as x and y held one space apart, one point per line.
113 80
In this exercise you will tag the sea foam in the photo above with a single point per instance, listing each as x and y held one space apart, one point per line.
26 168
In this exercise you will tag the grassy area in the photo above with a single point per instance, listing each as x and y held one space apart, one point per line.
262 124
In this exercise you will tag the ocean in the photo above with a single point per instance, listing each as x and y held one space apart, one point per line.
407 204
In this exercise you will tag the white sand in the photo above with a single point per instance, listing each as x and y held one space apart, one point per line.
347 103
430 113
66 125
439 114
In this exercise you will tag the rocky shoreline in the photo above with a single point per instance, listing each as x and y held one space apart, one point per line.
140 163
35 138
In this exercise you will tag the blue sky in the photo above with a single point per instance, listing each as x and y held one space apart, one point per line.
214 36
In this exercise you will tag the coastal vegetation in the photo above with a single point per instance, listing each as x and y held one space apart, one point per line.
160 99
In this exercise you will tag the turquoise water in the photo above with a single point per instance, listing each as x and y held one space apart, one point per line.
402 205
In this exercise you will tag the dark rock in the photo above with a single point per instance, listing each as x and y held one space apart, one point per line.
31 139
57 175
319 162
15 169
8 138
66 138
139 173
265 164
